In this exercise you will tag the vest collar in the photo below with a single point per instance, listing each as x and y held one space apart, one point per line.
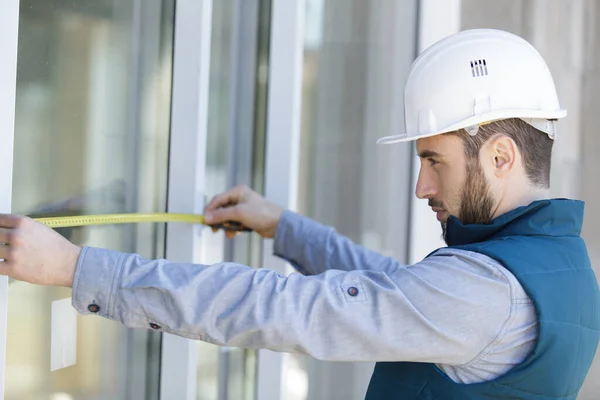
551 217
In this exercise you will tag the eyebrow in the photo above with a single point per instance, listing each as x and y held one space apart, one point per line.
429 154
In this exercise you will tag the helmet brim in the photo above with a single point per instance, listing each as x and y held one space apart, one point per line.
478 119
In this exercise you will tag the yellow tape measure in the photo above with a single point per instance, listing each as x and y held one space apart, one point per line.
133 218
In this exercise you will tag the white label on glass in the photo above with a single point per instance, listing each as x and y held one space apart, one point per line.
63 335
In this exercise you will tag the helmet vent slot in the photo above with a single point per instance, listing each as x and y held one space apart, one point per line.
478 68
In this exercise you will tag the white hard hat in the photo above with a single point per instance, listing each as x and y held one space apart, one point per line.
475 77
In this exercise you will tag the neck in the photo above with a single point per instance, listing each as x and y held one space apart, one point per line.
520 198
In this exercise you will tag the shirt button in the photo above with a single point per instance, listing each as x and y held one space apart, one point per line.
154 326
352 291
94 308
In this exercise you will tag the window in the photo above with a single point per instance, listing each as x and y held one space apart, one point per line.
234 155
91 136
357 55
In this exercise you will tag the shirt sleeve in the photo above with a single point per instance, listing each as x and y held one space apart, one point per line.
312 248
446 309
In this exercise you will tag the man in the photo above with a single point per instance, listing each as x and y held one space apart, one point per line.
509 310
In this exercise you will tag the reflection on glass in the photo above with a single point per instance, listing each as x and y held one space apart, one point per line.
356 56
216 175
234 154
92 130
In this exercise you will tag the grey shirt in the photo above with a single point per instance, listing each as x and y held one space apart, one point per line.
460 310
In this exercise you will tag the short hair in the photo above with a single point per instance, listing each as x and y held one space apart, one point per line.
535 146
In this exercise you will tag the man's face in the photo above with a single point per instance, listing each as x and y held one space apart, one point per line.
453 184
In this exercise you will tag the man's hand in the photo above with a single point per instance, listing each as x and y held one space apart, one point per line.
242 204
34 253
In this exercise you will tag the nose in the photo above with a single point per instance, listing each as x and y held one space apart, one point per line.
426 188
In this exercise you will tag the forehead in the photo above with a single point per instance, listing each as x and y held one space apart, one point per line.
444 145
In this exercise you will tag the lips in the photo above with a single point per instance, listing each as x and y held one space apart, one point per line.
439 213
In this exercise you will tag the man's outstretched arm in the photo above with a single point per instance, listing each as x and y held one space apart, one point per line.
313 248
310 247
406 315
446 309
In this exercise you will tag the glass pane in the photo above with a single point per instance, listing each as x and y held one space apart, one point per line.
235 154
217 142
92 132
357 55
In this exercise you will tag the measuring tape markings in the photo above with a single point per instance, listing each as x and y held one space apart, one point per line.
111 219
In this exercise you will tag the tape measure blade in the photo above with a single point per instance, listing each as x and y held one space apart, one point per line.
111 219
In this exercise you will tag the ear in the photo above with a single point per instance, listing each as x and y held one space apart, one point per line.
503 153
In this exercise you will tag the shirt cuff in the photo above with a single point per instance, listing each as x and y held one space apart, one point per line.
96 280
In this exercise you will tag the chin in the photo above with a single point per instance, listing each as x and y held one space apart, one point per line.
442 217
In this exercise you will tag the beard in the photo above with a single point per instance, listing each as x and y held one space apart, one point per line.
476 201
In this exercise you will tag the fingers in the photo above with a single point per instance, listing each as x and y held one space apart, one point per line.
5 235
222 200
225 206
8 240
221 215
231 197
5 254
9 221
229 234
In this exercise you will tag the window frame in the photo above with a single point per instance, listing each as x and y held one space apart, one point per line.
187 164
282 153
9 37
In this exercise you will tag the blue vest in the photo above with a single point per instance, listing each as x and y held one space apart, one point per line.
541 245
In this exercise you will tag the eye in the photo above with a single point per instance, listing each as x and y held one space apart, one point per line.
432 161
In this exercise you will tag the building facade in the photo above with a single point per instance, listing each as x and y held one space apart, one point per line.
157 105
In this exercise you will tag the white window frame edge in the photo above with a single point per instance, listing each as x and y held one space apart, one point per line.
282 153
9 37
191 66
437 19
